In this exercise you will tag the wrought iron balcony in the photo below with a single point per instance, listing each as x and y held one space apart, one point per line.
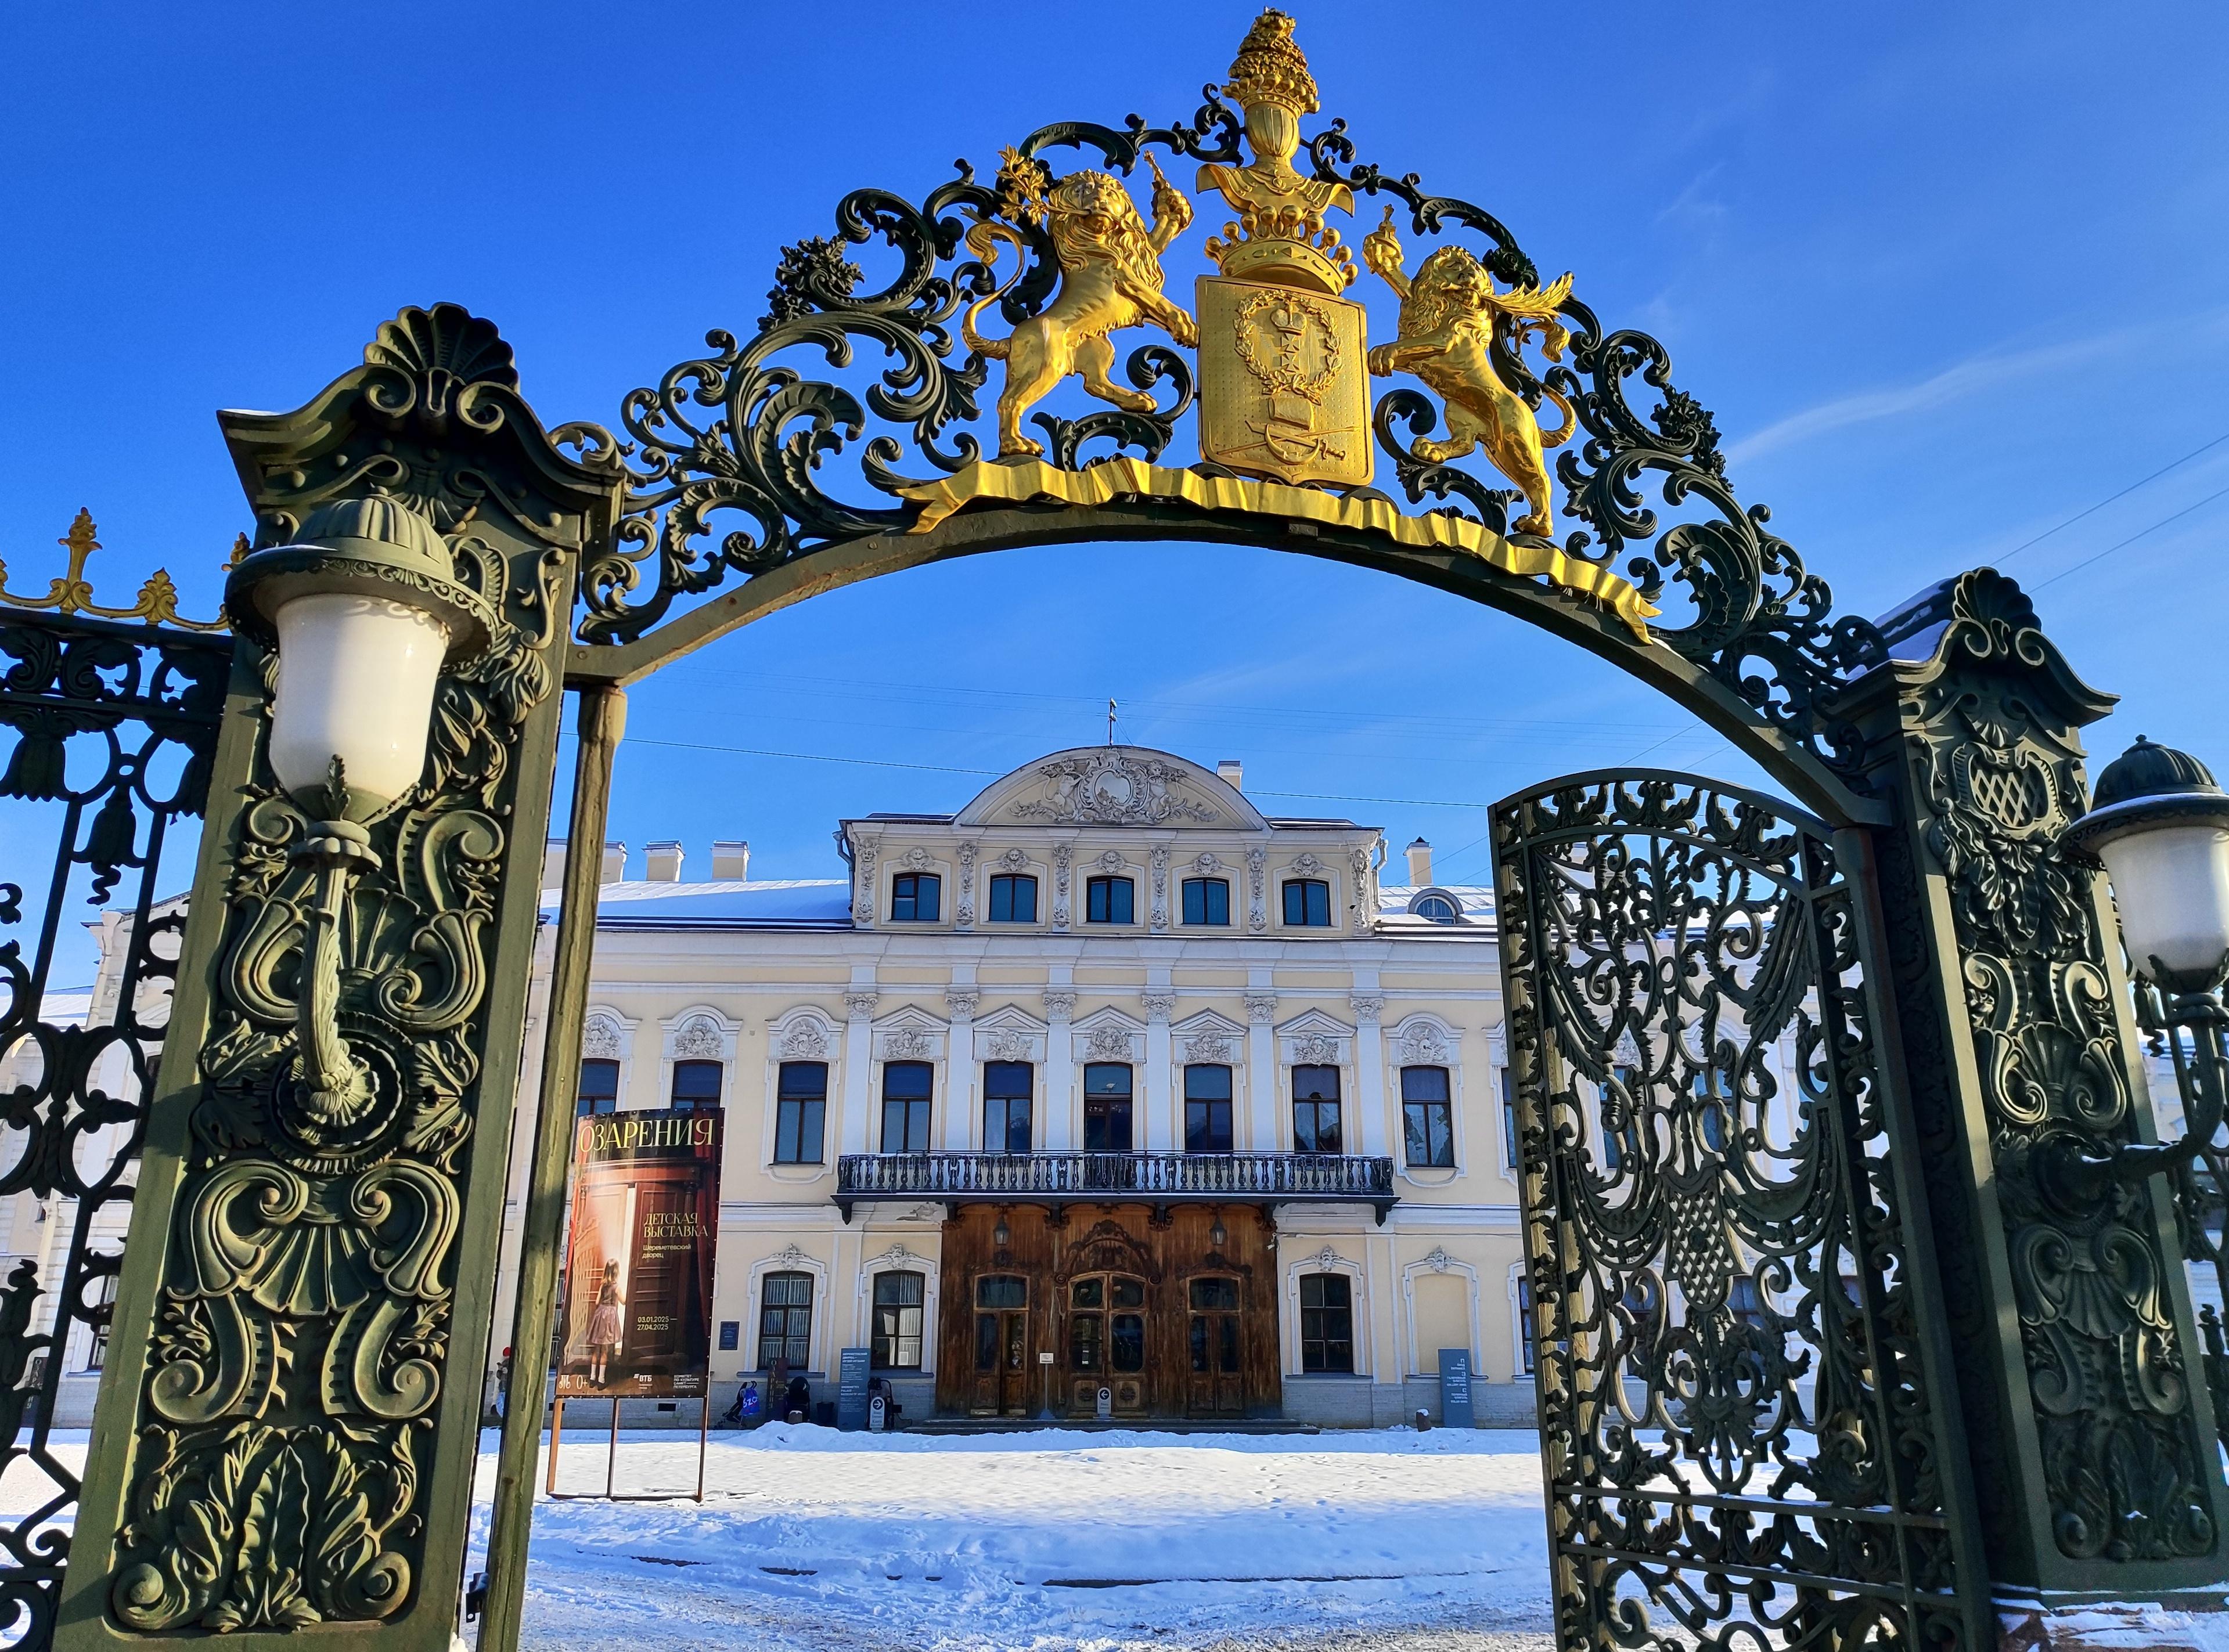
1148 1178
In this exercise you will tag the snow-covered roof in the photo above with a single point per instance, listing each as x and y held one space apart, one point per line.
768 903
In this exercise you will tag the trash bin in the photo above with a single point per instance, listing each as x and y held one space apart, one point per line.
824 1412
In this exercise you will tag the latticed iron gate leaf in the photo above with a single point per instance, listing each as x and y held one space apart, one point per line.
112 728
1741 1427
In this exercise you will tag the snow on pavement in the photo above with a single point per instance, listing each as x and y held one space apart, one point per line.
809 1539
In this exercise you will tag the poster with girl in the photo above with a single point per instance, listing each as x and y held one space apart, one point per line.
638 1309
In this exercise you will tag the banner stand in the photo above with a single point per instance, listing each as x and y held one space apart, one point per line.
611 1463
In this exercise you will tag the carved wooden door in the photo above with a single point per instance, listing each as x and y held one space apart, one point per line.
1215 1347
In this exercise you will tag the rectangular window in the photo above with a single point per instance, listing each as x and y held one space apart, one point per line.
906 1089
1207 1108
103 1317
898 1298
1326 1322
800 1111
1315 1110
598 1091
786 1321
1006 1089
1428 1129
696 1084
1110 900
916 897
1509 1157
1013 898
1524 1324
1106 1107
1308 903
1207 900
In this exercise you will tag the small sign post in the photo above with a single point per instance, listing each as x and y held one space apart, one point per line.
877 1414
852 1388
1106 1402
1456 1408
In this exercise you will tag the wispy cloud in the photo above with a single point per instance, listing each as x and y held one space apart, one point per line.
1976 375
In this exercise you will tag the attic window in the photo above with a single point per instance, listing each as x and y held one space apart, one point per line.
1436 906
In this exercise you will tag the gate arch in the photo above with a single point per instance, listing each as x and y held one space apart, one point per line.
768 470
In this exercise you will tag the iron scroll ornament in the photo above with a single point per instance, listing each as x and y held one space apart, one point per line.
751 432
1744 1440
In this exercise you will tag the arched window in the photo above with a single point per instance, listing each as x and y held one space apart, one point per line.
800 1113
1308 903
1013 898
1326 1322
1106 1107
898 1298
916 897
599 1089
786 1321
906 1090
1207 902
697 1084
1207 1108
1110 900
1427 1130
1315 1110
1440 908
1007 1090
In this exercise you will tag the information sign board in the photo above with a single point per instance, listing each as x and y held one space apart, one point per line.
852 1381
1455 1407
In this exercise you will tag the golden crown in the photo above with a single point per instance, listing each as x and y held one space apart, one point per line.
1270 68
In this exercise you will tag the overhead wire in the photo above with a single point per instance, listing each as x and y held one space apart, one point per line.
2123 494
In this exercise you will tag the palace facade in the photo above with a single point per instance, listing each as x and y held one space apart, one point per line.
1107 1067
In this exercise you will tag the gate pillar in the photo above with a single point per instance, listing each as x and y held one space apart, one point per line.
288 1422
2091 1448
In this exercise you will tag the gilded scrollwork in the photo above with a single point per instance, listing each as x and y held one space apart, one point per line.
781 441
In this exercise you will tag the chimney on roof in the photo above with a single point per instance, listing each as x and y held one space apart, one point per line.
1232 773
553 863
614 862
732 862
662 862
1420 863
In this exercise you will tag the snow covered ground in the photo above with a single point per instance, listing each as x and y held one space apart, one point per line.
809 1539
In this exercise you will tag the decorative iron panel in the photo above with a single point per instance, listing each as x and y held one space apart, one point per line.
1739 1437
113 728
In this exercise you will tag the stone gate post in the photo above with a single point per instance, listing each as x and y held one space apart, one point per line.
288 1422
2091 1448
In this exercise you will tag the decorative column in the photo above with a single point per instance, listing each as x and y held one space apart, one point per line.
1063 855
1370 1072
2093 1458
1257 896
1059 1132
963 1104
1261 1070
859 1061
1164 1130
963 910
287 1428
1158 912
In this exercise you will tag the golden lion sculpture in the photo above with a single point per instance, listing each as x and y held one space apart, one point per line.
1447 317
1111 267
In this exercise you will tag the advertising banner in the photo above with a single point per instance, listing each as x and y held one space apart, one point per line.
638 1314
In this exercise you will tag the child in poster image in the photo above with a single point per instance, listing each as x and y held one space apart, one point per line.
606 1329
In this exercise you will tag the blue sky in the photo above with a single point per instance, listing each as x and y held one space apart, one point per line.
1948 276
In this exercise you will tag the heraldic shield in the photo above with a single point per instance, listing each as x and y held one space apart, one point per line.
1283 385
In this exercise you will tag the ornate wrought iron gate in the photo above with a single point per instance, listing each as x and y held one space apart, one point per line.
113 728
1743 1408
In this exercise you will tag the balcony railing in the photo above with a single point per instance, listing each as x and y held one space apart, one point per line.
1151 1178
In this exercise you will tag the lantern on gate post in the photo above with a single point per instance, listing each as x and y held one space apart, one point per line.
364 609
2159 826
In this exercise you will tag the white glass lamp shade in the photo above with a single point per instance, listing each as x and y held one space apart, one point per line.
357 675
2171 882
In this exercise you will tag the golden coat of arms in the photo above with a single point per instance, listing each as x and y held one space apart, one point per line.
1283 371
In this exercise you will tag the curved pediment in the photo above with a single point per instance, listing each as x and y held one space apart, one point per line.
1112 785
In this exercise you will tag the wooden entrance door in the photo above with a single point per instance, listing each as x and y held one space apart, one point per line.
1107 1343
1002 1346
1216 1347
